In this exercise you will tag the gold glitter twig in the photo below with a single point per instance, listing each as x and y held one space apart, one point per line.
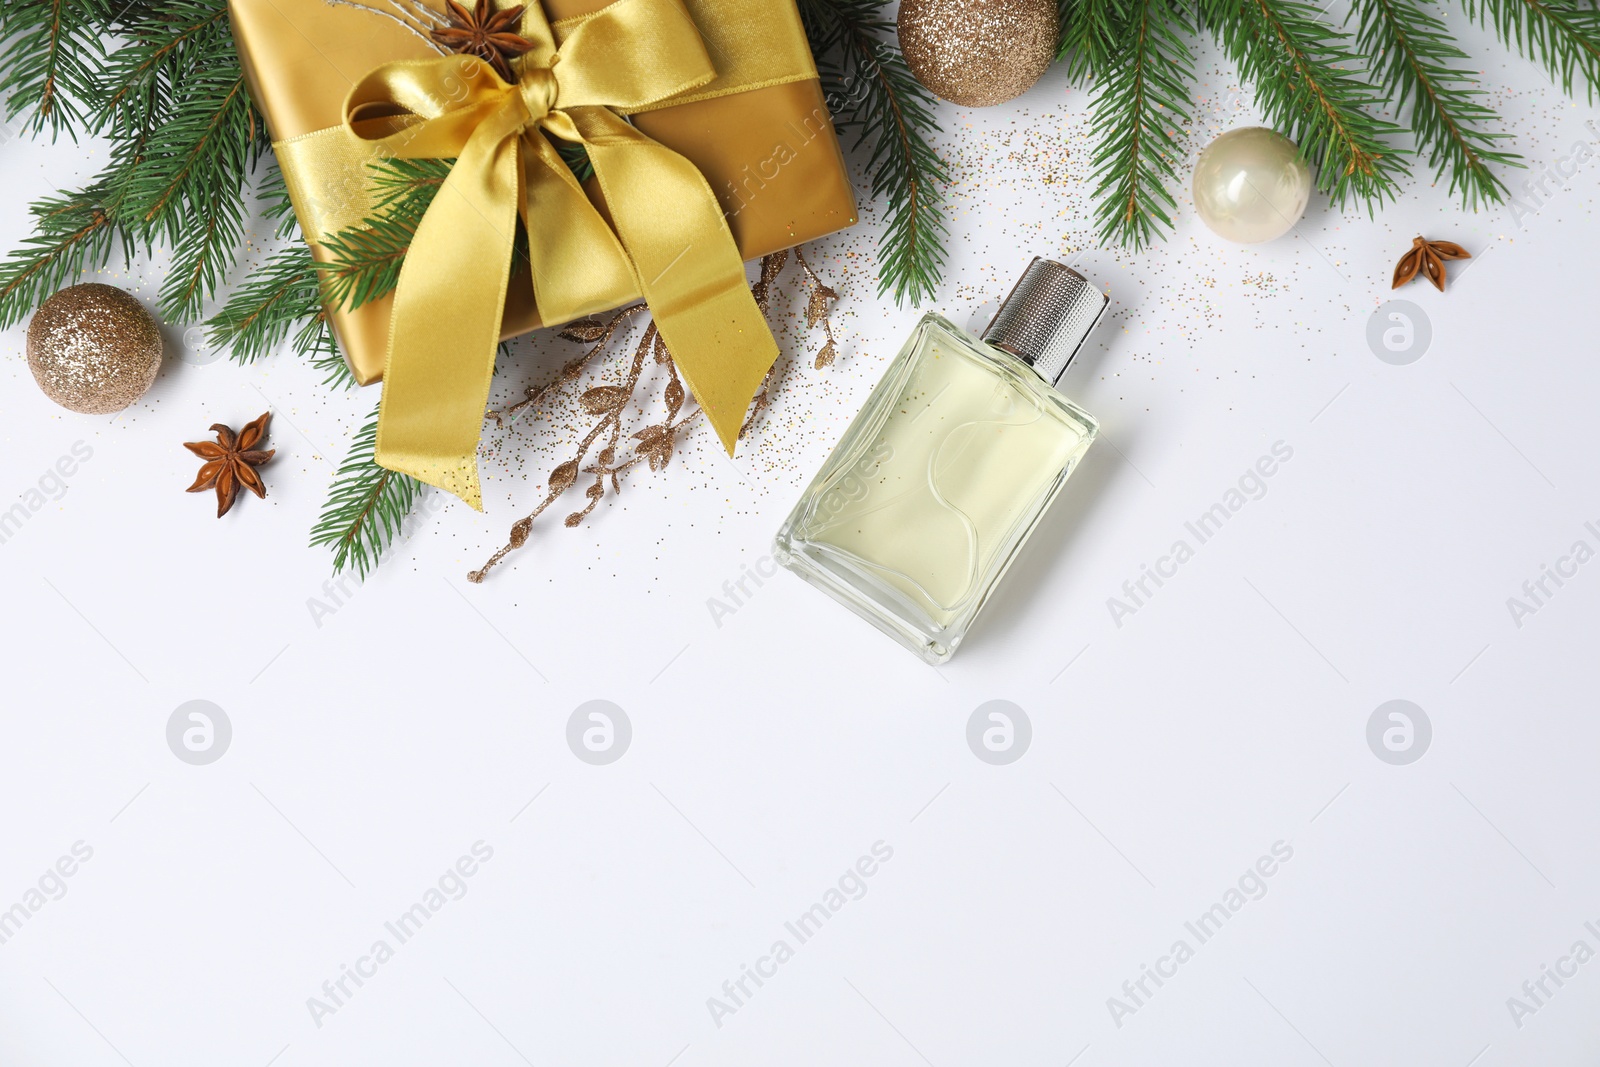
657 442
817 309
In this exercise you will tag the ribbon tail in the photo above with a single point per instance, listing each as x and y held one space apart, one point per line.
688 266
449 303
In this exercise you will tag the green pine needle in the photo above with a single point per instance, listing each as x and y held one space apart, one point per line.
143 80
366 507
314 342
51 55
204 253
272 200
278 296
72 234
184 139
201 161
365 260
871 89
1308 86
1092 33
1139 102
1563 37
1416 58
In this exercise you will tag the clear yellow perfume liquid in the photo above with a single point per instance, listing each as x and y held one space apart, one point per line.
934 487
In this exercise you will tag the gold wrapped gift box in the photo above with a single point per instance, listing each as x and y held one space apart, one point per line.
760 133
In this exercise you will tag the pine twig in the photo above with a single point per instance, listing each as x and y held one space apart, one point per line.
366 506
143 78
202 257
1092 33
1304 75
279 296
185 140
366 259
1140 98
1413 54
72 234
1564 38
871 89
51 52
314 342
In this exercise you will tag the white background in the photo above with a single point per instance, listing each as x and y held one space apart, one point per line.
375 743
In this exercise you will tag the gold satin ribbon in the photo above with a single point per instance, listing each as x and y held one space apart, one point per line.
669 242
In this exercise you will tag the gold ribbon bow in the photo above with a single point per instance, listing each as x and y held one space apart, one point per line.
670 241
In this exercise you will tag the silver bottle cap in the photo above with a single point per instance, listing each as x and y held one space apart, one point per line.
1045 318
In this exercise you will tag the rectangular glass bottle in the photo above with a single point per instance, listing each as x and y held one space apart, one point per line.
938 482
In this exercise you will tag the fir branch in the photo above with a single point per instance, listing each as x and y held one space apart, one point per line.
282 299
1303 74
205 250
365 260
405 188
1563 37
51 52
1413 53
366 506
72 234
145 77
190 139
203 158
1092 32
873 91
314 342
1139 101
272 200
280 295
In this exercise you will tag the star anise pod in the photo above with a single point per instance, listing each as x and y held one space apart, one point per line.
487 34
1427 257
231 461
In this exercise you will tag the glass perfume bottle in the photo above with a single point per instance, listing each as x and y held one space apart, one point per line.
933 489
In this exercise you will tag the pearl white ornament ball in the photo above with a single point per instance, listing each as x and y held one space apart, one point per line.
1250 185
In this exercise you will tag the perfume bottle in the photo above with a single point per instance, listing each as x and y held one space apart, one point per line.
933 489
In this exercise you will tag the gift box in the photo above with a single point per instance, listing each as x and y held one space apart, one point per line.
344 82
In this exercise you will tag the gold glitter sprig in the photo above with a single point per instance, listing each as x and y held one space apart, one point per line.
655 443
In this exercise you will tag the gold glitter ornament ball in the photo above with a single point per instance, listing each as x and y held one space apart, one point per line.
93 349
978 52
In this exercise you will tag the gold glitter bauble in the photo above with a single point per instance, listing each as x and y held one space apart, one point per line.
93 349
978 52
